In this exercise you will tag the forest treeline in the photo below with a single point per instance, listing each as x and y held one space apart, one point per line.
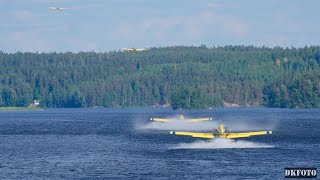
183 77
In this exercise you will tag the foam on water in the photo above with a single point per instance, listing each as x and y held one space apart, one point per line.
179 125
221 144
231 123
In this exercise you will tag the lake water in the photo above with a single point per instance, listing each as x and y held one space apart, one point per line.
124 144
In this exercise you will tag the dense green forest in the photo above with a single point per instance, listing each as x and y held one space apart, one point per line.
183 77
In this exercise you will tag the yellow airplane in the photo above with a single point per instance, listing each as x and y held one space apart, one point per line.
181 117
221 133
134 49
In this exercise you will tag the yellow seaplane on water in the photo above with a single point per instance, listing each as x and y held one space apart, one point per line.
181 117
221 133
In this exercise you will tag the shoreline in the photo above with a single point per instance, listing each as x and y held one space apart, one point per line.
20 109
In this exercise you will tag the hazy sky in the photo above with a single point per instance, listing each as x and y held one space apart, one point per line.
104 25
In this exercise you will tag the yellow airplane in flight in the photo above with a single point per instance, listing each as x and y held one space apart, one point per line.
221 133
57 8
134 49
181 117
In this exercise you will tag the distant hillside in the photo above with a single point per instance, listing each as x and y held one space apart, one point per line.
184 77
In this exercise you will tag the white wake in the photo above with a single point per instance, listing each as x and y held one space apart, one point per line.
179 125
221 144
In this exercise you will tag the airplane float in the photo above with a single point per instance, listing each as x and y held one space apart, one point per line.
181 117
220 133
134 49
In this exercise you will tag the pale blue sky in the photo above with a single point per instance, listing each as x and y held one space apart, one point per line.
105 25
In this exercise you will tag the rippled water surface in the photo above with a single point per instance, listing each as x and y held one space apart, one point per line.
123 143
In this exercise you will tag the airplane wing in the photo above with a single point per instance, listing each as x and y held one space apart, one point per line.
246 134
192 134
198 120
57 8
187 120
160 119
134 49
140 49
226 135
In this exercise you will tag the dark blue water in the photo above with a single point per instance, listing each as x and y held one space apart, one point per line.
108 143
